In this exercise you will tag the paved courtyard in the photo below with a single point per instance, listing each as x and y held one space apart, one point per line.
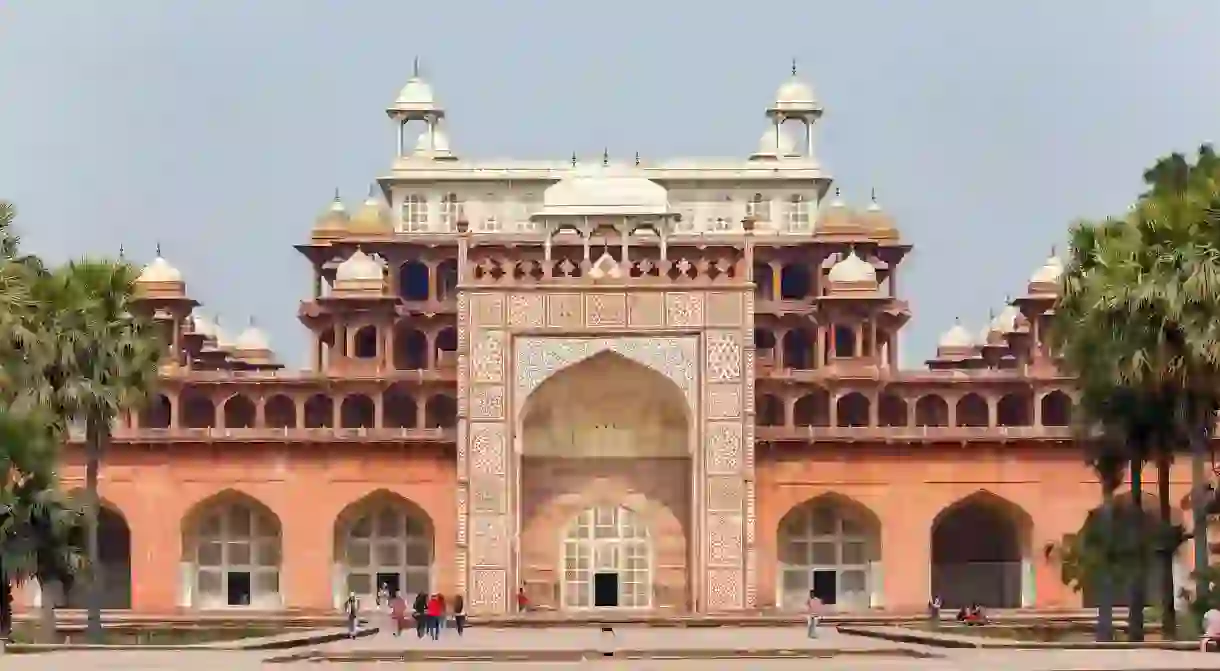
739 638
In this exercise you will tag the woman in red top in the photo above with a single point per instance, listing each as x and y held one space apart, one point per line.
434 617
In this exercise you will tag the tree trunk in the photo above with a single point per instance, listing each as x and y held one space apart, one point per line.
1200 444
52 594
1139 583
6 604
1169 611
1105 580
96 428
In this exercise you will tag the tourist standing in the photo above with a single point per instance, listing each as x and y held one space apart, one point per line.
398 613
433 616
444 615
459 614
351 609
523 602
815 615
420 610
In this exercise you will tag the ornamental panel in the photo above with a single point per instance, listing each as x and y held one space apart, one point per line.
490 542
488 357
724 448
684 310
606 310
645 310
489 587
724 589
487 309
565 311
538 358
723 356
725 493
724 308
724 539
463 497
724 401
487 448
527 311
488 494
487 402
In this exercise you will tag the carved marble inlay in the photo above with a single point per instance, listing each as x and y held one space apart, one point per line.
606 310
724 589
487 402
490 544
564 311
527 311
487 494
724 448
487 448
684 309
645 310
488 589
487 309
724 308
724 401
724 539
723 356
463 496
725 493
538 358
488 357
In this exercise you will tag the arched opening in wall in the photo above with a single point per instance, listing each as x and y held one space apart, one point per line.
1015 409
798 349
845 341
812 409
764 281
853 410
764 346
280 412
1127 536
364 343
158 413
231 547
830 545
931 410
197 411
326 338
239 412
605 433
769 410
383 540
357 412
441 412
114 553
607 541
972 411
447 280
319 412
980 553
891 410
794 282
398 408
413 281
446 346
410 348
1056 409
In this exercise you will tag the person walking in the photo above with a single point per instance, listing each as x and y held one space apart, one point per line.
459 614
434 615
420 610
398 613
444 616
351 609
814 616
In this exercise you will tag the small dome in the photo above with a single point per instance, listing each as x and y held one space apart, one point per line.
203 326
253 340
416 93
605 191
223 341
795 94
372 217
955 338
1006 321
1049 273
880 224
360 266
852 269
159 271
771 139
334 217
838 217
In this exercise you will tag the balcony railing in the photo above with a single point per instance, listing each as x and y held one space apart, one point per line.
270 434
912 433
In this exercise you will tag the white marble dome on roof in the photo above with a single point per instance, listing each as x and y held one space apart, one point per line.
795 92
203 326
772 138
955 338
852 269
1006 321
253 339
1049 273
416 93
360 266
605 191
159 270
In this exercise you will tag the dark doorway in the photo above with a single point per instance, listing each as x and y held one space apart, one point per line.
826 586
239 588
391 581
605 590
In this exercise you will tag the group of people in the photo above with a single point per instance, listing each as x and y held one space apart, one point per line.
429 612
972 615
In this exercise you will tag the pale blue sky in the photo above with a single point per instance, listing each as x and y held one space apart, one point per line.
220 128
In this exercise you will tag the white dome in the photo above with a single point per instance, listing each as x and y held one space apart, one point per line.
768 142
1049 273
1006 321
605 191
441 138
795 92
956 337
223 340
417 93
253 339
360 266
852 269
159 271
203 326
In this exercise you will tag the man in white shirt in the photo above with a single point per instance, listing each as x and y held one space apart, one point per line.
815 615
1211 629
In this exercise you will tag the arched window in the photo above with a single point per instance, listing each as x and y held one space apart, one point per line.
831 545
383 540
232 545
607 560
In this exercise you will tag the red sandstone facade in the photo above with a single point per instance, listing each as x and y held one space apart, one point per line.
601 407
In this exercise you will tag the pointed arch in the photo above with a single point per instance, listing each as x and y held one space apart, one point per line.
239 412
1056 409
981 552
383 538
973 411
231 548
931 410
830 544
853 409
158 413
1015 409
114 551
280 412
357 411
812 409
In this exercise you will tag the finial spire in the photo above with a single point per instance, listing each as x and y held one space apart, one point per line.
1053 250
372 189
415 68
121 252
637 158
872 195
158 248
605 156
251 321
337 199
573 159
794 67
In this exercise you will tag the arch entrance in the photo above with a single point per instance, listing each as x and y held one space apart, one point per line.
830 545
981 554
382 540
231 546
604 469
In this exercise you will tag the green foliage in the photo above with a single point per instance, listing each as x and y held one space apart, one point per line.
1116 551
